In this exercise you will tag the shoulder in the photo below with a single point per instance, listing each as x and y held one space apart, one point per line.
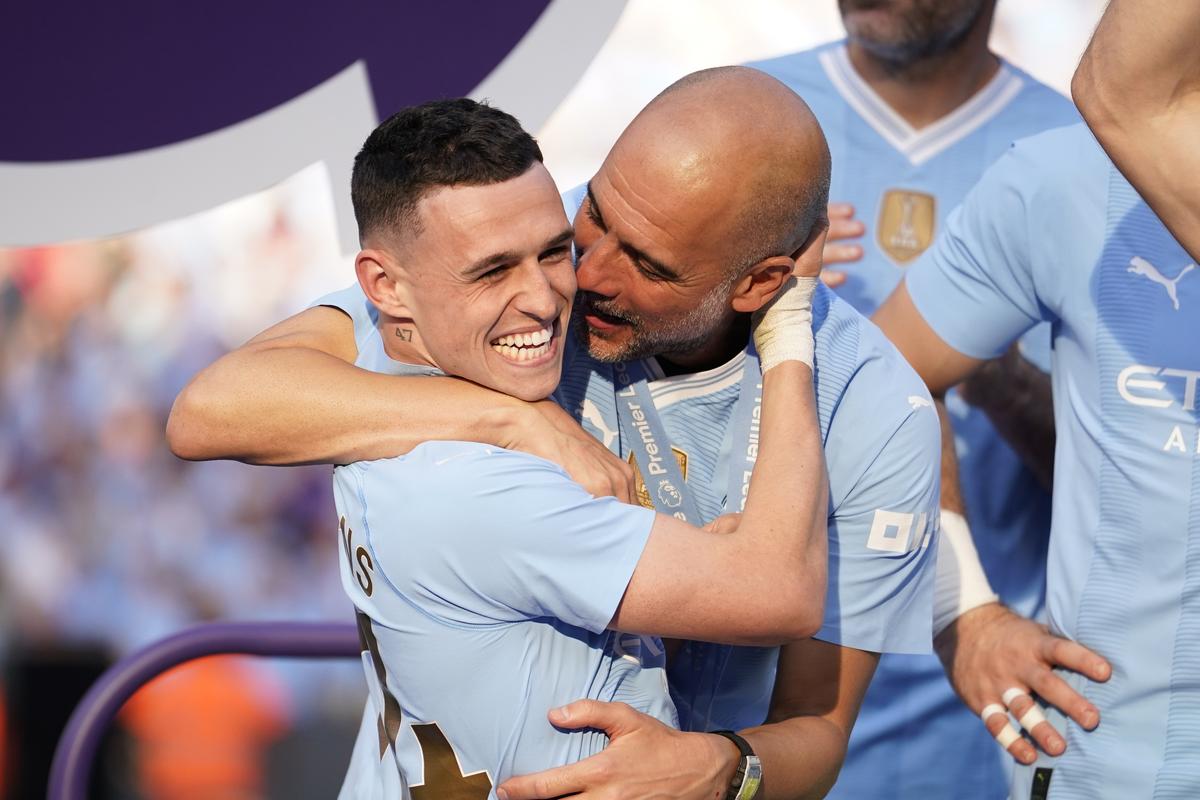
441 466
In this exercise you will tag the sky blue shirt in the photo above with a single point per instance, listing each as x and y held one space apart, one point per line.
1054 233
903 183
484 581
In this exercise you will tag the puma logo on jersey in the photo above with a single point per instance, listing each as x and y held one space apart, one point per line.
1140 266
917 402
590 414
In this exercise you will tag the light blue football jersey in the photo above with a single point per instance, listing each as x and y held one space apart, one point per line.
1054 233
903 183
881 447
881 441
484 580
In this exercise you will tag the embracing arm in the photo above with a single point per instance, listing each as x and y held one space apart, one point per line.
818 690
764 583
292 395
1138 87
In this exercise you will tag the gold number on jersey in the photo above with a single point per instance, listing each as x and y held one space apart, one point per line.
360 557
444 779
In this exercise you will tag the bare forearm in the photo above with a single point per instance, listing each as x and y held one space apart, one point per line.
788 497
295 405
951 498
1018 399
801 757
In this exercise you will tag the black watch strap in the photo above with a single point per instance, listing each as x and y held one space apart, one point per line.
748 775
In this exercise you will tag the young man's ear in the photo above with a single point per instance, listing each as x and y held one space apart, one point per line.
376 269
756 288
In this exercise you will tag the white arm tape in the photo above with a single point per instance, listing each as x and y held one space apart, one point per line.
783 328
959 584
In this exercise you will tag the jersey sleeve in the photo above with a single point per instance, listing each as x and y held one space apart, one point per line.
975 286
493 536
881 536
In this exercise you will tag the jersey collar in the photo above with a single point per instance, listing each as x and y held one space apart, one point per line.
918 146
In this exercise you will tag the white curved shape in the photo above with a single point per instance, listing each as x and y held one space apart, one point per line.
551 57
92 198
44 203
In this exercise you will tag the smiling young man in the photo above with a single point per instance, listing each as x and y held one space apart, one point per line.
489 586
717 177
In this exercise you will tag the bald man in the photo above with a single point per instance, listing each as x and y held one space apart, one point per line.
717 177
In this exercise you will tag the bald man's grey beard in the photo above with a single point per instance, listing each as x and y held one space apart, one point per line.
655 337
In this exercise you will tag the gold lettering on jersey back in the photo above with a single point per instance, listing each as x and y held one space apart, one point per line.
906 223
643 494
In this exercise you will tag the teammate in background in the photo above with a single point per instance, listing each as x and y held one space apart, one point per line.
695 187
915 107
485 579
1053 232
1138 87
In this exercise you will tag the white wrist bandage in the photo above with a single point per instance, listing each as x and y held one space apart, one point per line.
783 327
959 584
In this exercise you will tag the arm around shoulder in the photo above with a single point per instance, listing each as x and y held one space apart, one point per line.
765 582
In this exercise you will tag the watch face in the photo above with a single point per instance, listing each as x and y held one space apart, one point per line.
751 779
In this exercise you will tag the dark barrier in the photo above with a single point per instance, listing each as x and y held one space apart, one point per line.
72 765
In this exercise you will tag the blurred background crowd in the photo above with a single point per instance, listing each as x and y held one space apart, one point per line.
110 542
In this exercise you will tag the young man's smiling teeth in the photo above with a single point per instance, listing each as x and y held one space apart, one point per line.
524 346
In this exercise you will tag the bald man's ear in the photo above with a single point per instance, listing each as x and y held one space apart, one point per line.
756 288
759 285
375 269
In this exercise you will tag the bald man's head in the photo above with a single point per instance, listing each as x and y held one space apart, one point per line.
744 144
695 214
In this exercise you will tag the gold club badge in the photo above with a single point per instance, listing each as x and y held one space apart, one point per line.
906 223
643 494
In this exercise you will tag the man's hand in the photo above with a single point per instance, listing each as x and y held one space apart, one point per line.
644 760
842 226
554 435
990 649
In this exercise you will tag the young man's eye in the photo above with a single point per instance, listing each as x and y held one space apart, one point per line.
494 273
557 253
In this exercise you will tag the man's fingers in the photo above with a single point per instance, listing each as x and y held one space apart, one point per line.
1058 693
842 254
1002 730
612 718
833 278
839 211
726 523
845 229
1030 717
545 785
1071 655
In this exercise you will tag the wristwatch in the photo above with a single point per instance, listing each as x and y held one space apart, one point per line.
748 776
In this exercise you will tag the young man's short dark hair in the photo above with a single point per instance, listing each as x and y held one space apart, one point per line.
439 143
